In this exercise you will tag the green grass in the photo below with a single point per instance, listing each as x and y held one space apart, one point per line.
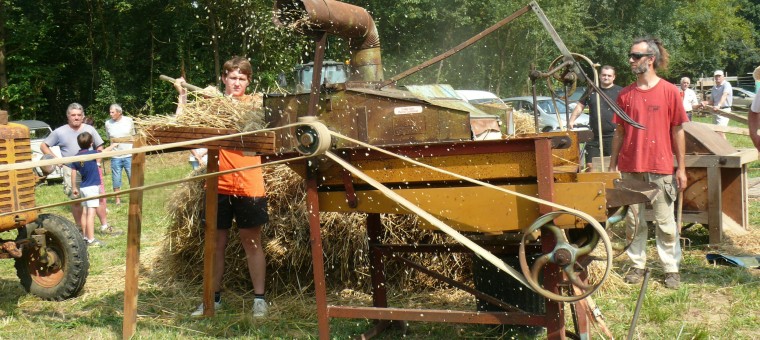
714 301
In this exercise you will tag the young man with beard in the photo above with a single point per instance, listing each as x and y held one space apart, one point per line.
647 155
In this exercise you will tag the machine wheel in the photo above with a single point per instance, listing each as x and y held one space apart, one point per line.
60 273
570 257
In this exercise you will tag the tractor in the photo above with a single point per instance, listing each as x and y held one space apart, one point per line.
49 250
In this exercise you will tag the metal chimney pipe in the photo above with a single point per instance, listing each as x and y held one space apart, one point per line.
340 19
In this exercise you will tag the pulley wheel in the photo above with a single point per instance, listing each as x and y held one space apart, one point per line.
566 255
313 138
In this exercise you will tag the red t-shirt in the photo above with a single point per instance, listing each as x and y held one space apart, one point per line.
658 109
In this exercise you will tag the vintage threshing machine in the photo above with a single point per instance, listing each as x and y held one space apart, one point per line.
388 151
51 256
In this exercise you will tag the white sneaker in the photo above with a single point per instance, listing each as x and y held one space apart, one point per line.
260 308
199 311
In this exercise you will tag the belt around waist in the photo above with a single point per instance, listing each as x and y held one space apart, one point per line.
725 107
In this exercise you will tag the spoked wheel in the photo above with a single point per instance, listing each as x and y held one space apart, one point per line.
572 257
616 232
54 263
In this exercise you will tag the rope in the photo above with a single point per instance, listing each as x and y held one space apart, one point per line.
71 159
154 186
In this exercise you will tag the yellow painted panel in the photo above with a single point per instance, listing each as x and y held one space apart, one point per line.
485 166
477 209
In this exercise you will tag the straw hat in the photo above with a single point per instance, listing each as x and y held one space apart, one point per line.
756 74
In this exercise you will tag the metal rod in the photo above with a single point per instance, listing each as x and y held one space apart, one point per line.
642 292
456 49
316 76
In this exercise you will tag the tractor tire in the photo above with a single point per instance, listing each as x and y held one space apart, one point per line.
66 244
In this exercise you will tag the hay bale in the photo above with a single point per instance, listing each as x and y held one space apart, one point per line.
523 122
286 243
216 112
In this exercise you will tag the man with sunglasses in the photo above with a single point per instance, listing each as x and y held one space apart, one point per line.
721 96
647 155
607 85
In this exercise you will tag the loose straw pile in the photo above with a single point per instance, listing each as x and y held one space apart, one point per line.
215 112
286 243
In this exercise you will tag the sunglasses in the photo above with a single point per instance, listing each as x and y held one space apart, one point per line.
637 56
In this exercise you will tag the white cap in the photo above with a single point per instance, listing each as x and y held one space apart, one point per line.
718 73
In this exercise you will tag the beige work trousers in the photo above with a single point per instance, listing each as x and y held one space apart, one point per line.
666 230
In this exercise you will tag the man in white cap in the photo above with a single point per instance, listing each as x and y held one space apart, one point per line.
754 114
721 98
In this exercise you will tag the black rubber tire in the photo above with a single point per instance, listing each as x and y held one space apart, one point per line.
62 238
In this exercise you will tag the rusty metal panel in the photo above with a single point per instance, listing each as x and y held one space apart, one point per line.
445 96
477 209
383 120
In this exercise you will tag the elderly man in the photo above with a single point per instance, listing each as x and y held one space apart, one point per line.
721 97
65 137
120 129
689 96
647 155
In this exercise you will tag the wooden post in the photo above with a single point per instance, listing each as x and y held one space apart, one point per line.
209 243
555 315
131 274
318 262
714 204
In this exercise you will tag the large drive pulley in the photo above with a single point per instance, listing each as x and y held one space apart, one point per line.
313 137
569 256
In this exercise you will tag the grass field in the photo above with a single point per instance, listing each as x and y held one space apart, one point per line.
714 302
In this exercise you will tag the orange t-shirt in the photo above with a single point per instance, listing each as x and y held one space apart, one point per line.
248 183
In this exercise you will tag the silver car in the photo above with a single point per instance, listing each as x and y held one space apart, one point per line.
547 118
38 131
742 98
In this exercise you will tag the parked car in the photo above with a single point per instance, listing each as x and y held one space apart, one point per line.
742 98
547 119
489 103
38 131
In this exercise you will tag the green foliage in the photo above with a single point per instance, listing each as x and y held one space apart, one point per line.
96 52
105 95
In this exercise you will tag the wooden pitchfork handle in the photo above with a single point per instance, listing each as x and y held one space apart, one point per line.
190 87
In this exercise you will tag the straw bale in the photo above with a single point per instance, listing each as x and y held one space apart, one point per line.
523 122
215 112
287 246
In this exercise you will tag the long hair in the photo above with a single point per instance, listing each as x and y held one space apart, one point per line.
654 46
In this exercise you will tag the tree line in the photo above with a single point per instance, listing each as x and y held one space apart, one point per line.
98 52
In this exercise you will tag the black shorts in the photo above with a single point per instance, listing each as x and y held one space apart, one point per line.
592 148
249 212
